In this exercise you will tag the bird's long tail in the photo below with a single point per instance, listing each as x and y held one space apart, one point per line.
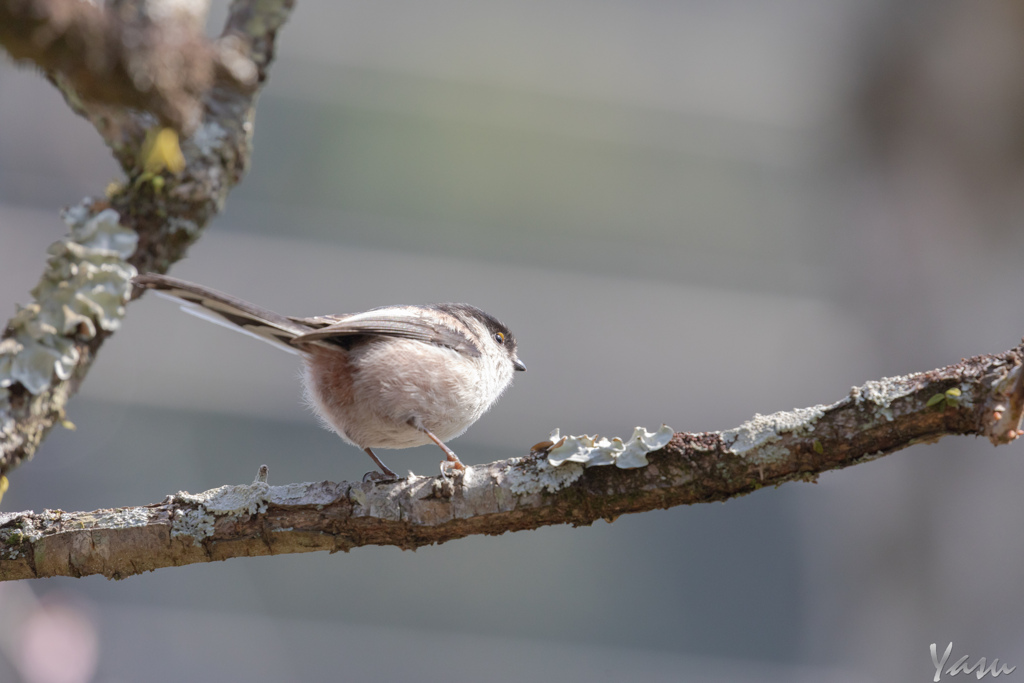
226 310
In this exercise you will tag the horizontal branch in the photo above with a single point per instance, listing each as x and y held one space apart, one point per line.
983 395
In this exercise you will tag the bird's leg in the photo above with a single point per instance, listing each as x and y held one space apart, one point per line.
384 468
456 464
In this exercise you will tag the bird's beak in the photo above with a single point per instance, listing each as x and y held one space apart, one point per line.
518 365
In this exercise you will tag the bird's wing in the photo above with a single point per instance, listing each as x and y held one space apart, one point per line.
404 322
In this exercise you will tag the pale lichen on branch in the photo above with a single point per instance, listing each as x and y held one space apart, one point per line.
875 419
147 222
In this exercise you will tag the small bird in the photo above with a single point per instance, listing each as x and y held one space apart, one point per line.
391 377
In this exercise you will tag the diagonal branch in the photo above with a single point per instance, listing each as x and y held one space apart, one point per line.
983 396
151 56
146 224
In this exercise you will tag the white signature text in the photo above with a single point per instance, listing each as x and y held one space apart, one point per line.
961 666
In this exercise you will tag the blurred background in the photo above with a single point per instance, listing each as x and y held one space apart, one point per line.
688 212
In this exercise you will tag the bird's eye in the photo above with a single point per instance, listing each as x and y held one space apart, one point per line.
499 337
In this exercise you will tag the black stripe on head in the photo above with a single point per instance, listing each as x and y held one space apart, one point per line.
466 313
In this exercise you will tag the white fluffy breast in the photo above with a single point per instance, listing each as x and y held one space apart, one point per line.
391 381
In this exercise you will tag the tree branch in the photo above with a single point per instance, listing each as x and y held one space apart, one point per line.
144 225
152 55
983 395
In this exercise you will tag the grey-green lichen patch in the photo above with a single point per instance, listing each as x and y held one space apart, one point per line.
9 434
11 539
526 477
18 517
760 433
232 499
318 493
966 395
209 137
592 451
205 508
85 287
118 518
26 527
10 542
883 392
51 516
396 502
198 523
7 422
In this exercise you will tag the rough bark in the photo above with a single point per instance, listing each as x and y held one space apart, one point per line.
983 396
151 56
147 55
167 211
